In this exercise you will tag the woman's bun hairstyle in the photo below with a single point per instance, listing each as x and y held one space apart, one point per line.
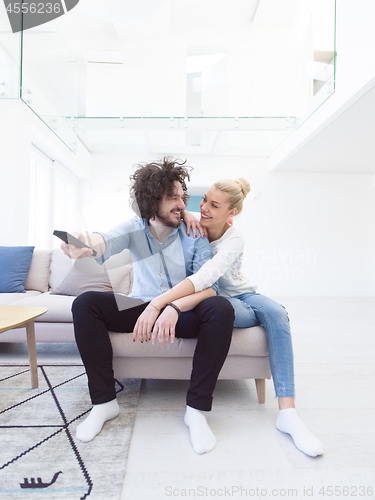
236 191
244 185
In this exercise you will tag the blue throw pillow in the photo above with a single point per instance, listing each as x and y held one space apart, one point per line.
14 267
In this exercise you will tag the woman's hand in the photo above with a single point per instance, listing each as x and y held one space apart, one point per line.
165 326
74 252
144 324
192 224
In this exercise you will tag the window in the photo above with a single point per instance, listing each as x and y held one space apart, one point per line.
65 191
40 199
53 200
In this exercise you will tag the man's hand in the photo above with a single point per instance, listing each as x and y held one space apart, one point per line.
74 252
192 224
165 326
144 324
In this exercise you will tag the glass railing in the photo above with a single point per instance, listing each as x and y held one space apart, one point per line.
49 81
227 123
198 85
255 136
318 58
279 64
283 66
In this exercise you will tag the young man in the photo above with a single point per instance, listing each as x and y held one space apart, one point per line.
163 256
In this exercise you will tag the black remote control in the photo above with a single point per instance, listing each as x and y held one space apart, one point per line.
72 240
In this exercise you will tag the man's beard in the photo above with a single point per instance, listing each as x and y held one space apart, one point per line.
169 221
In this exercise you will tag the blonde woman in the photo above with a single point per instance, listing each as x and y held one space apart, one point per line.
222 202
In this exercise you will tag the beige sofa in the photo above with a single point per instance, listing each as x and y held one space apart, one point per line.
53 281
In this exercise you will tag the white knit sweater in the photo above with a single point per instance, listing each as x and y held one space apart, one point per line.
225 266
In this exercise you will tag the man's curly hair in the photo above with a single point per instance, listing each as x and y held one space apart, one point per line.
152 180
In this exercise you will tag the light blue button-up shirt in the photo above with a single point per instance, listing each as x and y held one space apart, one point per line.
157 266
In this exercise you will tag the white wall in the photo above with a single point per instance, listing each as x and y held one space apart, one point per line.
311 234
306 234
15 174
104 199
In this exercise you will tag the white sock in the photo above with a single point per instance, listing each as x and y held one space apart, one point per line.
92 425
289 422
201 436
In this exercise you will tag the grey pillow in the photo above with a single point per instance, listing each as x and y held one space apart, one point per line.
85 276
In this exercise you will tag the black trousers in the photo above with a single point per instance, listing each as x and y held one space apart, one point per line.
96 313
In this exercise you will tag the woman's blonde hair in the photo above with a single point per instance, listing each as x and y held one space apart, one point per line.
236 190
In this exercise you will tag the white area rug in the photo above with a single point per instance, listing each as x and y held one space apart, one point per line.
40 458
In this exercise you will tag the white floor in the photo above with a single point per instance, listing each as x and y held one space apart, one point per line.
334 345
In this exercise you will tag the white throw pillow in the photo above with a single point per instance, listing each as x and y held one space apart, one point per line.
38 276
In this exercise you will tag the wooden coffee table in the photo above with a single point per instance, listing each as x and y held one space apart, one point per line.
23 316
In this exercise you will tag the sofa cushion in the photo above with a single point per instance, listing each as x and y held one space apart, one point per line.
38 276
8 298
59 307
14 266
244 341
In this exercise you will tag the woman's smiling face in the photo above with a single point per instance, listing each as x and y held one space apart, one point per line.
215 208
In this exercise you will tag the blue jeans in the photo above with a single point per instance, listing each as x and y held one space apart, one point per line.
254 309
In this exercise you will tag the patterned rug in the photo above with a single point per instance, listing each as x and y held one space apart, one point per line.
40 458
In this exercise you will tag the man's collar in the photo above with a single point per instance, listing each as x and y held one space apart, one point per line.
146 226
